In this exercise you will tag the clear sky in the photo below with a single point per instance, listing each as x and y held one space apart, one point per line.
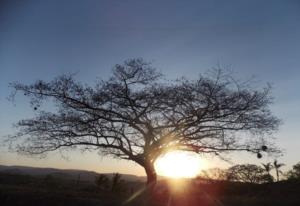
43 39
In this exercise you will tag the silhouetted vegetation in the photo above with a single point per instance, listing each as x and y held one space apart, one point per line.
214 174
18 189
294 174
102 181
25 190
277 167
137 115
251 173
247 173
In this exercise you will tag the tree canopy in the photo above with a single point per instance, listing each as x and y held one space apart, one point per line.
138 115
248 173
294 174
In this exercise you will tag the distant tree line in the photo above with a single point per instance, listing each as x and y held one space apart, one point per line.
252 173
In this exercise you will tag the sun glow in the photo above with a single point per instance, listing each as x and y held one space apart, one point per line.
178 164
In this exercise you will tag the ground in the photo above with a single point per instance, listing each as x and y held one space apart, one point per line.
24 190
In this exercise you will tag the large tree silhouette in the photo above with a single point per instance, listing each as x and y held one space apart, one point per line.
138 115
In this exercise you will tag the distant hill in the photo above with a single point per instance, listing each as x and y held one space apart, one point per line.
63 173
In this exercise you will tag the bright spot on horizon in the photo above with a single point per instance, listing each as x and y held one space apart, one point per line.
179 164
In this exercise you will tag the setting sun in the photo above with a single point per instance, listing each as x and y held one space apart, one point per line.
178 164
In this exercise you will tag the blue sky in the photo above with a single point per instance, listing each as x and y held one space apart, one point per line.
43 39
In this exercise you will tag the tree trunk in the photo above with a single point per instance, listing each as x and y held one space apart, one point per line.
151 174
151 182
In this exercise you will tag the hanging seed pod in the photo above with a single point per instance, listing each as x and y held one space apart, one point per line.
264 148
259 155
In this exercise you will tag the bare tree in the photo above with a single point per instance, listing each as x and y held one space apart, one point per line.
137 115
213 174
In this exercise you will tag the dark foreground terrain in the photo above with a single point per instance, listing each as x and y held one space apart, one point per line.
53 189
